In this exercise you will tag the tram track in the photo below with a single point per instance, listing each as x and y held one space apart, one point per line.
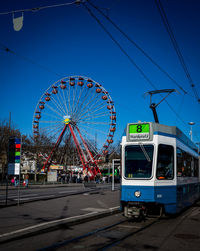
104 238
110 232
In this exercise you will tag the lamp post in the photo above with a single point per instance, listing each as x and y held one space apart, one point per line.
191 124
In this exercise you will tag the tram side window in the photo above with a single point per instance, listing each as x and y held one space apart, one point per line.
187 165
179 161
165 162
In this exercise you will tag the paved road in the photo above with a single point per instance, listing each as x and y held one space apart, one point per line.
43 192
178 233
28 214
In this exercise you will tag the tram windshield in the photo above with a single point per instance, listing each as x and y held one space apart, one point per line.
138 161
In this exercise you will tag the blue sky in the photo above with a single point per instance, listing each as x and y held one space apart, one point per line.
68 41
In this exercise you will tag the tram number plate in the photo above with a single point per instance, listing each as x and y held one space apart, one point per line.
139 131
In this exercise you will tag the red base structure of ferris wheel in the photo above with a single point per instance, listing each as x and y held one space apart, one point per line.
49 159
87 160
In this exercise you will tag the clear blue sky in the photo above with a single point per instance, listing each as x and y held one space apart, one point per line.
68 41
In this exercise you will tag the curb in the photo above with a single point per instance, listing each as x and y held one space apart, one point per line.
74 220
37 186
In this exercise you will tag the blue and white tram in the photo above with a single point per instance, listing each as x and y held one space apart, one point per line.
160 169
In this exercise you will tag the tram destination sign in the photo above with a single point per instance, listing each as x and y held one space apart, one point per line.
140 131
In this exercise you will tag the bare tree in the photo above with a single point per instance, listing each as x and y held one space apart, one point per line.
5 133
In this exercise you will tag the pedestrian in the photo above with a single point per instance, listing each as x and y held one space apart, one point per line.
26 180
68 178
13 181
16 182
86 178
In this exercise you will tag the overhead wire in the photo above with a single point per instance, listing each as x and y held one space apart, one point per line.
6 49
118 45
181 104
176 47
129 57
39 8
137 46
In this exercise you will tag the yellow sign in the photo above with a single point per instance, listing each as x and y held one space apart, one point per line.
56 167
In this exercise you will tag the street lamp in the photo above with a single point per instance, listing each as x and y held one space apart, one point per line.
191 124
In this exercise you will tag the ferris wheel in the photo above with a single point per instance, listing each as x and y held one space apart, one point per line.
79 109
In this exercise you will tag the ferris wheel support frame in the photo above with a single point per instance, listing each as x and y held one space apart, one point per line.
82 158
47 163
88 150
92 171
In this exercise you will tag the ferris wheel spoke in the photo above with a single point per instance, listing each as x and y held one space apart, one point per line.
51 129
51 117
69 96
79 98
95 123
91 111
74 98
99 105
54 110
59 95
89 128
86 96
89 138
89 117
55 134
47 113
71 92
92 147
49 122
94 130
58 104
64 100
84 108
61 102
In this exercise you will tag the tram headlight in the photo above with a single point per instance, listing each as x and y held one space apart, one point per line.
137 194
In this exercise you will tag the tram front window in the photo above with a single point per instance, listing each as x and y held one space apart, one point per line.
138 161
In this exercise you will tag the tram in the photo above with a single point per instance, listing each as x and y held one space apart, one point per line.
160 170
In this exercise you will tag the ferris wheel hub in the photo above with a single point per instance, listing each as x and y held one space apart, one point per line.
67 119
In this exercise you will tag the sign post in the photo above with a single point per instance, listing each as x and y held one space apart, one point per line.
14 156
113 173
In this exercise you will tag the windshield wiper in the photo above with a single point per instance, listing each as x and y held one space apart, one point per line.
145 152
